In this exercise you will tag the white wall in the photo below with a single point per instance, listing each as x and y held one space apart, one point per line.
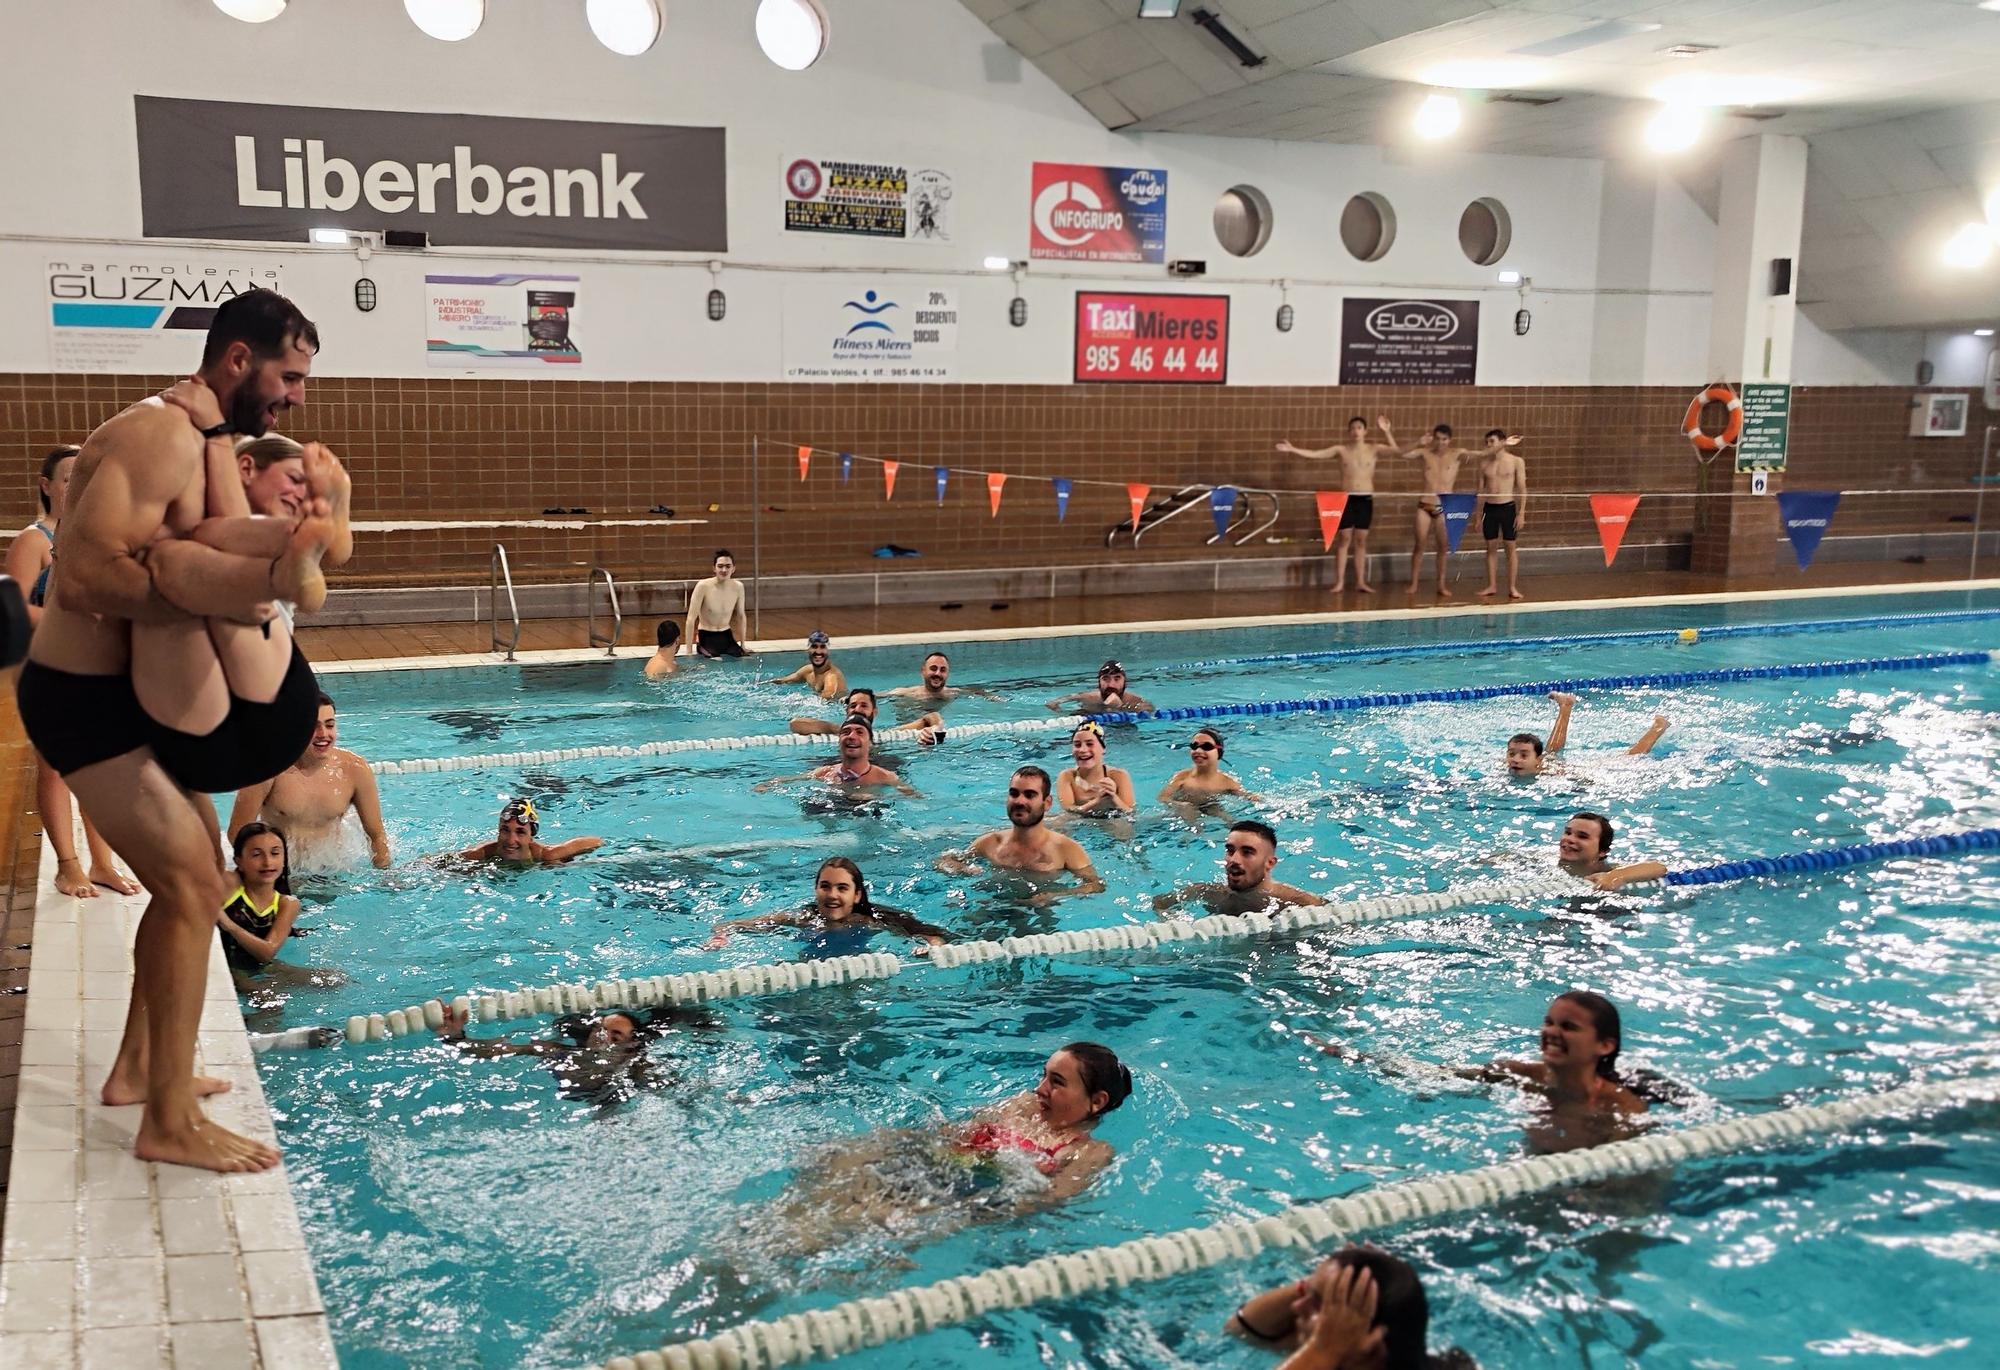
1620 257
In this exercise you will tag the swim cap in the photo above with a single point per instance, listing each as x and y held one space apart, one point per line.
522 810
862 719
817 638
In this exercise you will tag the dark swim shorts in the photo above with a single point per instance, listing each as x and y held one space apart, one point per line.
79 720
713 642
1359 513
1499 521
252 744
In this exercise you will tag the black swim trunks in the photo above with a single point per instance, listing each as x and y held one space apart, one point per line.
79 720
252 744
1499 521
718 642
1359 513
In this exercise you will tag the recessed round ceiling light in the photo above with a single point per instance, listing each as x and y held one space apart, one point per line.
447 20
791 32
1675 128
1438 116
1970 247
627 27
251 11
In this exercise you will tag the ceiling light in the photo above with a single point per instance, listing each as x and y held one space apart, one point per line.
448 21
1675 128
997 263
1970 247
1989 4
251 11
1159 9
1438 116
330 235
1482 75
1510 278
1982 332
791 32
627 27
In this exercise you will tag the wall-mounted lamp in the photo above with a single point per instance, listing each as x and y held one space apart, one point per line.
718 303
364 295
1017 308
1523 320
1286 317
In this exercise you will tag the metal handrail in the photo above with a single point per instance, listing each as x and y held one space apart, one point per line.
498 574
1176 504
1249 503
609 644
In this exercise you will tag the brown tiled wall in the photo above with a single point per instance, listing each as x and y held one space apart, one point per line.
440 449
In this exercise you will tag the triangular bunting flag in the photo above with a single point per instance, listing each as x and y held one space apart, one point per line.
943 475
1332 504
805 461
1614 516
889 469
995 480
1062 488
1457 514
1222 507
846 466
1805 514
1138 494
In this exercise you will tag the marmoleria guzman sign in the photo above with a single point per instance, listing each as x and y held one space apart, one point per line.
214 169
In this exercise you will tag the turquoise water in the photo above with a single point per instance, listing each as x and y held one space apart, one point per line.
466 1211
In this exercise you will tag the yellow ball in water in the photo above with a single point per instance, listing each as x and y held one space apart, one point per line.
1690 635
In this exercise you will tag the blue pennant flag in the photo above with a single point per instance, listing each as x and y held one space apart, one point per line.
1222 507
1805 514
846 465
1062 485
943 475
1457 514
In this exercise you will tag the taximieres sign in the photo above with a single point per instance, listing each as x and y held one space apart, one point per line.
215 169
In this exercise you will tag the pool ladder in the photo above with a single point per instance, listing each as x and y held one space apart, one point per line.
609 642
497 576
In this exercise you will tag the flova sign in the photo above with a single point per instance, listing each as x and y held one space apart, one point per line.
1411 319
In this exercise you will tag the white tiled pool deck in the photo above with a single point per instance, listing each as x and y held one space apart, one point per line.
110 1261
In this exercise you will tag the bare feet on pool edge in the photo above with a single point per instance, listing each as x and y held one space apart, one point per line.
1515 594
295 575
204 1145
1363 588
1444 592
114 880
1489 592
119 1091
71 880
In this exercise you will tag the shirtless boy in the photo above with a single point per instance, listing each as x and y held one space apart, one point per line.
1503 498
1441 460
819 674
1357 458
716 624
1527 756
1027 844
308 800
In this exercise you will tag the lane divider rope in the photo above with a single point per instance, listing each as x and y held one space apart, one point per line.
1340 704
784 977
1464 646
823 1333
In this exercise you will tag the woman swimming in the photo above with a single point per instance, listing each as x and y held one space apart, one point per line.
1029 1151
840 901
1090 786
1360 1309
1205 780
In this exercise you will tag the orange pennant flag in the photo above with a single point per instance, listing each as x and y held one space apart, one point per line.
1332 504
1138 493
994 480
889 479
1614 516
805 460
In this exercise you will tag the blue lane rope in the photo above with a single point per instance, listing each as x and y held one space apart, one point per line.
1650 680
1976 839
1645 635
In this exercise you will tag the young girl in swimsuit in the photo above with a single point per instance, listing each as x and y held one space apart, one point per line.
1205 781
1090 786
30 560
840 902
258 915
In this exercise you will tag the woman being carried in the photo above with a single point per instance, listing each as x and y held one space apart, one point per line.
840 903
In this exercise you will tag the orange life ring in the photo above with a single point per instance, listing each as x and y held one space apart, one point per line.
1731 431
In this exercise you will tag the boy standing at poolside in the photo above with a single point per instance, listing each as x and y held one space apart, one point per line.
1357 477
1503 499
716 624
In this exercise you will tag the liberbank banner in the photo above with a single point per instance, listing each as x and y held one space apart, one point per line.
213 169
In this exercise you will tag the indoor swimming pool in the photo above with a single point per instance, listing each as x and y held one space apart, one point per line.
463 1210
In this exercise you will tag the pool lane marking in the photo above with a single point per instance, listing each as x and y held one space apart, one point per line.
563 656
1336 704
824 1333
784 977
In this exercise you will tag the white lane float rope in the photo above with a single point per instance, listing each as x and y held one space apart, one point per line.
823 1333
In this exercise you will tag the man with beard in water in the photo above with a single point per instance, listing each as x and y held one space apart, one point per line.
1029 845
1248 856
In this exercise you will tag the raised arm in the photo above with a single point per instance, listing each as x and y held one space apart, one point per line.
1651 737
1559 734
1388 432
368 808
570 850
264 948
1317 454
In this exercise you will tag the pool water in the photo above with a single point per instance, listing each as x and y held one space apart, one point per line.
467 1211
